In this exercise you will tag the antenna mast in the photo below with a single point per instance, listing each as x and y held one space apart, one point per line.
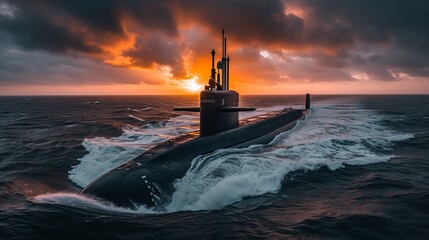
223 60
213 73
227 73
225 64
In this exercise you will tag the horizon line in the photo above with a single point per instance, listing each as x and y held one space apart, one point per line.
124 95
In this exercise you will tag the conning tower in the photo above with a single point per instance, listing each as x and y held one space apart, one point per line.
218 105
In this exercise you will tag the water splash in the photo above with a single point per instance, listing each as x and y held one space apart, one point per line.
333 136
83 202
105 154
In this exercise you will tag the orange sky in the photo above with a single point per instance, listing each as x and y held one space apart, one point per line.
411 87
163 47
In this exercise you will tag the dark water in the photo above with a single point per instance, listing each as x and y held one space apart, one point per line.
357 168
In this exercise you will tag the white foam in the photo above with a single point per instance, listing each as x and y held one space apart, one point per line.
334 136
330 137
83 202
105 154
136 118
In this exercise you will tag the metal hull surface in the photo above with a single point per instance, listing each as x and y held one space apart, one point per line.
148 179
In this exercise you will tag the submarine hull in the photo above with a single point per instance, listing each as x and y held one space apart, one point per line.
148 179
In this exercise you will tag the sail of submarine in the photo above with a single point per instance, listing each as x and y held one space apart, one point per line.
148 179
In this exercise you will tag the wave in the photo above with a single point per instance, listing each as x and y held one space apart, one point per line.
105 154
82 202
333 136
136 118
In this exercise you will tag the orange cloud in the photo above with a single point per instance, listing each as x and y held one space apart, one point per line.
275 46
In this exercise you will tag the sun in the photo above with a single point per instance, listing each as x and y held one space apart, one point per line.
192 85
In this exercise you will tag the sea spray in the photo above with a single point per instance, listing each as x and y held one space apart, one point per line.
332 137
105 154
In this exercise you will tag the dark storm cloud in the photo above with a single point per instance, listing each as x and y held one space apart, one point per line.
396 31
158 49
337 60
371 21
106 15
72 24
268 22
379 38
34 31
246 21
19 67
92 27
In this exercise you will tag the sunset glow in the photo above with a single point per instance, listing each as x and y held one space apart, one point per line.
192 85
276 47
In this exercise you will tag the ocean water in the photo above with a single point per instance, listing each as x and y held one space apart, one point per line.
356 168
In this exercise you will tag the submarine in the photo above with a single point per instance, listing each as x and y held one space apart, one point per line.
148 179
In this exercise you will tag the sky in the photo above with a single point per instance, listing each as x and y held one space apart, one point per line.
139 47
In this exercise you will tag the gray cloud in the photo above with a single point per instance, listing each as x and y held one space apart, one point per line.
158 49
19 67
378 38
395 32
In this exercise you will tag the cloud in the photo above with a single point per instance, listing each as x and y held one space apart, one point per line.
34 31
80 25
18 67
157 49
108 15
307 40
393 32
252 21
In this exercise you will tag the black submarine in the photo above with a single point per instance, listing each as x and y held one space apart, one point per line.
148 179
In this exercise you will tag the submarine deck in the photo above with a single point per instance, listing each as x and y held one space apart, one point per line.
148 155
156 169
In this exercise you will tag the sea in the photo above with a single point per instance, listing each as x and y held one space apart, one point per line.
356 168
